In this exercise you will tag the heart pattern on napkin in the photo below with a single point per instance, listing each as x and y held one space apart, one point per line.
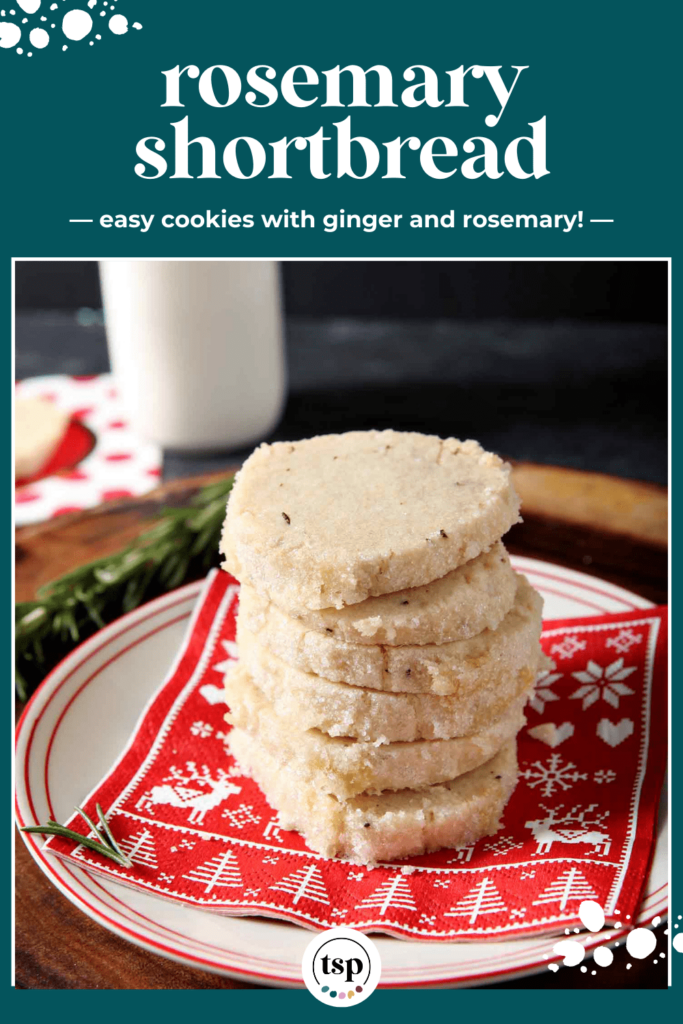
615 733
213 694
553 734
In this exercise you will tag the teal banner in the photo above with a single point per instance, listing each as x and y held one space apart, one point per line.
368 130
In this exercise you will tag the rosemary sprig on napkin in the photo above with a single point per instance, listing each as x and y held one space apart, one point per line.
105 843
181 546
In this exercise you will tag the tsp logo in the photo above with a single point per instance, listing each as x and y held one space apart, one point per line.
341 967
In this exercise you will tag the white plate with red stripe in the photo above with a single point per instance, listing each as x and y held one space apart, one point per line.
91 703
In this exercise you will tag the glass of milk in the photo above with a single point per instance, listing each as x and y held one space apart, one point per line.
197 349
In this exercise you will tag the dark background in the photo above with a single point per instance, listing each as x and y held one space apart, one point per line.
560 362
627 292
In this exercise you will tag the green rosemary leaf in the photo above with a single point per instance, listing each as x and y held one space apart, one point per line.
202 540
108 834
93 613
70 624
76 837
88 821
180 573
65 582
180 546
204 518
211 493
20 685
29 615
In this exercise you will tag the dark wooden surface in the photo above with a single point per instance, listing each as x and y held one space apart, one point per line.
612 528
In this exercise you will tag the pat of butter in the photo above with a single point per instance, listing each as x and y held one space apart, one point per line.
38 428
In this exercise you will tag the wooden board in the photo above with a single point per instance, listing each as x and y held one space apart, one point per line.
612 528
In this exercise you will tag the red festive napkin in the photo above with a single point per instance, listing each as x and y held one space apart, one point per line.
99 458
580 824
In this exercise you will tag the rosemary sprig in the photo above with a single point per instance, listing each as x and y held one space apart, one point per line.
109 835
179 547
105 844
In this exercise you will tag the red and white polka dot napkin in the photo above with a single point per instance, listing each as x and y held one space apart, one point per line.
100 457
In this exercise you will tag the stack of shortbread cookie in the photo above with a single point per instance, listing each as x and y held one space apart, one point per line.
386 646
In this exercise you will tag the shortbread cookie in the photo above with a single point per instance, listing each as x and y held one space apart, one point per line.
368 829
377 715
345 767
39 426
454 668
474 597
335 519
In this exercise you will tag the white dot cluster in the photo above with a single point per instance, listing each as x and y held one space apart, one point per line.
640 942
76 25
